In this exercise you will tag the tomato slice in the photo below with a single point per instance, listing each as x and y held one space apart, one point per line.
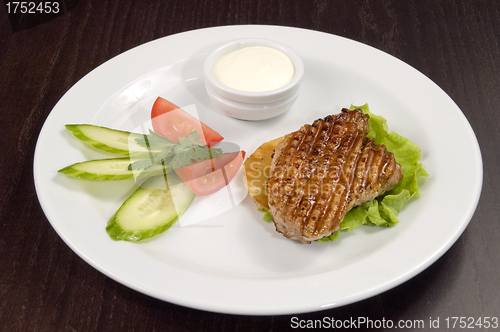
211 175
173 123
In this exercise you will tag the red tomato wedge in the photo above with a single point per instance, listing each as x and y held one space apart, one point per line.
209 176
173 122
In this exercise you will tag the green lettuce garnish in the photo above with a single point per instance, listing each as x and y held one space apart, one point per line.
268 216
383 210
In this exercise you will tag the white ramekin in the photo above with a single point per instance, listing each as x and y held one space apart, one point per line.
247 105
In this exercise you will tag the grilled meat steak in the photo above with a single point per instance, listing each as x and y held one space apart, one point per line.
323 170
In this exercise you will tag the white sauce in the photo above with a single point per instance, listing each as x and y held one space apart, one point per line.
254 68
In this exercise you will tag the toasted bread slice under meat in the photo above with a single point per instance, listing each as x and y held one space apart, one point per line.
257 168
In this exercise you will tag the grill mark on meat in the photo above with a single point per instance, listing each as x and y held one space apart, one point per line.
323 170
369 158
342 164
300 199
347 175
298 207
349 172
312 201
317 157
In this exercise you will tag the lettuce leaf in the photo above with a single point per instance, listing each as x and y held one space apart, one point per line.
267 215
383 210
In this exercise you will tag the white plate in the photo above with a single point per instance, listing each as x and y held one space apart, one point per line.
235 262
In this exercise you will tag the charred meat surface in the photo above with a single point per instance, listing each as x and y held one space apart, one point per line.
323 170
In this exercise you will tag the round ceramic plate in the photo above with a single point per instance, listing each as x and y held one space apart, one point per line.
222 256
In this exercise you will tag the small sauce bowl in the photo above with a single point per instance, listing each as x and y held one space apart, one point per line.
249 105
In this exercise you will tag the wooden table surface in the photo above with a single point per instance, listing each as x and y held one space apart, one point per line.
45 286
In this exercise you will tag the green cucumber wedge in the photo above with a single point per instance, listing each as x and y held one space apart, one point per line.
110 140
151 209
111 169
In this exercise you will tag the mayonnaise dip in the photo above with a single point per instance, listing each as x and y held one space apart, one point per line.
254 68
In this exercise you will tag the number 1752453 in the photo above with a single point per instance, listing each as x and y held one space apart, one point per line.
470 322
31 7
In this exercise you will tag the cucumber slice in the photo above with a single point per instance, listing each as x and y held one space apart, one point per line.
110 140
111 169
151 209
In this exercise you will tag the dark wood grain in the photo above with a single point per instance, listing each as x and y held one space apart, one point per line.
44 286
